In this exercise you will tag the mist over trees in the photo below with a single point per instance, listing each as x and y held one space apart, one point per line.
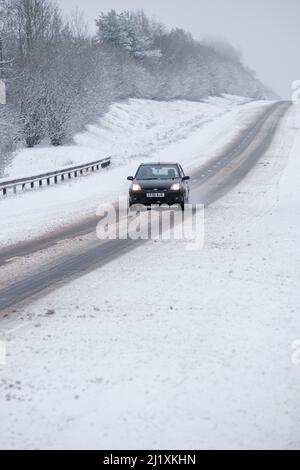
59 78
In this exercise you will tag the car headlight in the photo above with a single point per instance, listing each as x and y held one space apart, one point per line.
175 187
136 188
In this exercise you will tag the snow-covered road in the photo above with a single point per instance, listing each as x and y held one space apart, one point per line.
134 131
44 263
165 348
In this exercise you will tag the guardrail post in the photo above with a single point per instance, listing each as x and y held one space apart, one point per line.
32 184
55 179
48 181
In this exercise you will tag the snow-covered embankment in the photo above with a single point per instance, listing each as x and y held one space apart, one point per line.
131 132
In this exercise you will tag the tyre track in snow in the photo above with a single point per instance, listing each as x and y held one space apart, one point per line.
210 182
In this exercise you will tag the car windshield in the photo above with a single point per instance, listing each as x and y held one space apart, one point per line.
162 172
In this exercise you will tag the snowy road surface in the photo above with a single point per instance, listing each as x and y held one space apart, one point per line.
135 131
124 357
209 182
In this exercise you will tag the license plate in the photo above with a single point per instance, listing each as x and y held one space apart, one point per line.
156 195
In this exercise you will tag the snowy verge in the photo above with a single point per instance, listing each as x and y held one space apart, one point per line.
133 128
196 358
138 130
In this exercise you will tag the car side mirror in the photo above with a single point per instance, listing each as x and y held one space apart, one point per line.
130 178
186 178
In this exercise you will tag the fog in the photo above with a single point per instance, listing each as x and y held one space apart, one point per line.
266 31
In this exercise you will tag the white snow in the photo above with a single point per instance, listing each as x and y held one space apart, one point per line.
133 128
131 132
165 348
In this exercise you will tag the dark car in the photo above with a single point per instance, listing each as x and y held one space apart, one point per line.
159 183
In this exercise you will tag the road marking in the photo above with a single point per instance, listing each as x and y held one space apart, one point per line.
60 242
14 258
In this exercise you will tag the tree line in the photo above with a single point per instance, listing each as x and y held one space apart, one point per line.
59 77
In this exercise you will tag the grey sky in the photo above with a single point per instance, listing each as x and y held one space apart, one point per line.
267 31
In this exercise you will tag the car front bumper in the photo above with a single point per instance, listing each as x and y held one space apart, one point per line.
169 198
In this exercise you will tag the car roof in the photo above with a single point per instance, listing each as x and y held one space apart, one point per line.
159 163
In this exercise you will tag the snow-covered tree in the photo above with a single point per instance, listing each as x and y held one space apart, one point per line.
126 30
59 79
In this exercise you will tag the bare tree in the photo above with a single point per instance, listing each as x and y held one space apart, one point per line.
79 28
61 79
